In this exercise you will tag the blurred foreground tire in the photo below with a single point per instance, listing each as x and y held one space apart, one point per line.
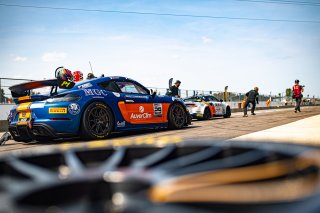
182 177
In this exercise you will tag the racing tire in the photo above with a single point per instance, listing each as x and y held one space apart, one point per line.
197 176
20 139
206 114
228 113
97 122
176 116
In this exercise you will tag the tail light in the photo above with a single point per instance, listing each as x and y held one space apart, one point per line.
191 105
64 98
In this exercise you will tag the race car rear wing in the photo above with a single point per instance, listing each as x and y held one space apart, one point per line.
24 89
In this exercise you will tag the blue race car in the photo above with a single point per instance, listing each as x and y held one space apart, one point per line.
90 109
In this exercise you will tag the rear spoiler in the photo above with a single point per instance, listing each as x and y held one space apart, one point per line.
24 89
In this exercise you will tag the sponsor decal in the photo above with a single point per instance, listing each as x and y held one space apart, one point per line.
135 96
141 109
140 116
65 84
37 105
74 108
121 124
92 92
57 110
157 109
86 85
116 94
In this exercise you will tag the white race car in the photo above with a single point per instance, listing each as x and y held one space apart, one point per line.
204 107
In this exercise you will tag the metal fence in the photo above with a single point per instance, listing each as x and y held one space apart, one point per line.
231 96
5 83
5 94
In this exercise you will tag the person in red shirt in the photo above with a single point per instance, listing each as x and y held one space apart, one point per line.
297 94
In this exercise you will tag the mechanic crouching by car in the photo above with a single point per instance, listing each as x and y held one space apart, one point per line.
174 89
252 97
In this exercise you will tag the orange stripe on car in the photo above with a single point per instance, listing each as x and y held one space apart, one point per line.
143 113
23 98
212 108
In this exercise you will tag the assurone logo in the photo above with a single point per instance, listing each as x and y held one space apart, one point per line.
141 109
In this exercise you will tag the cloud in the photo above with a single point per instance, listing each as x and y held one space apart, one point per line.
20 58
53 56
206 40
175 56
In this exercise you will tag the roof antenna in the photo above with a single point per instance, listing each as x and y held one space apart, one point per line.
91 67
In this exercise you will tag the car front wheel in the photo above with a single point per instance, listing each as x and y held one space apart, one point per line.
177 116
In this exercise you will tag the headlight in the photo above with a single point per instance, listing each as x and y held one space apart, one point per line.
64 98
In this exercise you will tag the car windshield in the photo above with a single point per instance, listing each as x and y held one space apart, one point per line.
193 99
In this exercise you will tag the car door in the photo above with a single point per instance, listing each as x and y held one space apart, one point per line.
138 106
209 102
218 105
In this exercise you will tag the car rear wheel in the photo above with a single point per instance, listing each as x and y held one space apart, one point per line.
206 114
228 113
177 116
19 139
25 139
97 121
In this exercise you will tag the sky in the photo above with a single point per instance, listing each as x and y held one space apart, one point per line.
203 53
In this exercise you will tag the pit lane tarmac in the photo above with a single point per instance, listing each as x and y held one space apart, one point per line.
214 129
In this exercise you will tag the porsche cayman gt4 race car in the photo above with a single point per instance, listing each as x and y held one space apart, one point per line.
91 109
204 107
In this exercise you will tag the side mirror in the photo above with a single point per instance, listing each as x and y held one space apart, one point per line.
221 100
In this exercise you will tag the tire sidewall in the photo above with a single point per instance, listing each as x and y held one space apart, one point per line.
206 114
172 123
84 130
228 113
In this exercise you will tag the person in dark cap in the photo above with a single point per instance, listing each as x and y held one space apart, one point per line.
252 97
90 76
174 89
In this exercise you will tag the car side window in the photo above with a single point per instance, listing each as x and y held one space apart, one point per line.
110 86
130 87
215 99
206 99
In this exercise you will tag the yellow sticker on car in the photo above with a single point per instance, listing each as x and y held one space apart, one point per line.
58 110
199 115
23 106
24 117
